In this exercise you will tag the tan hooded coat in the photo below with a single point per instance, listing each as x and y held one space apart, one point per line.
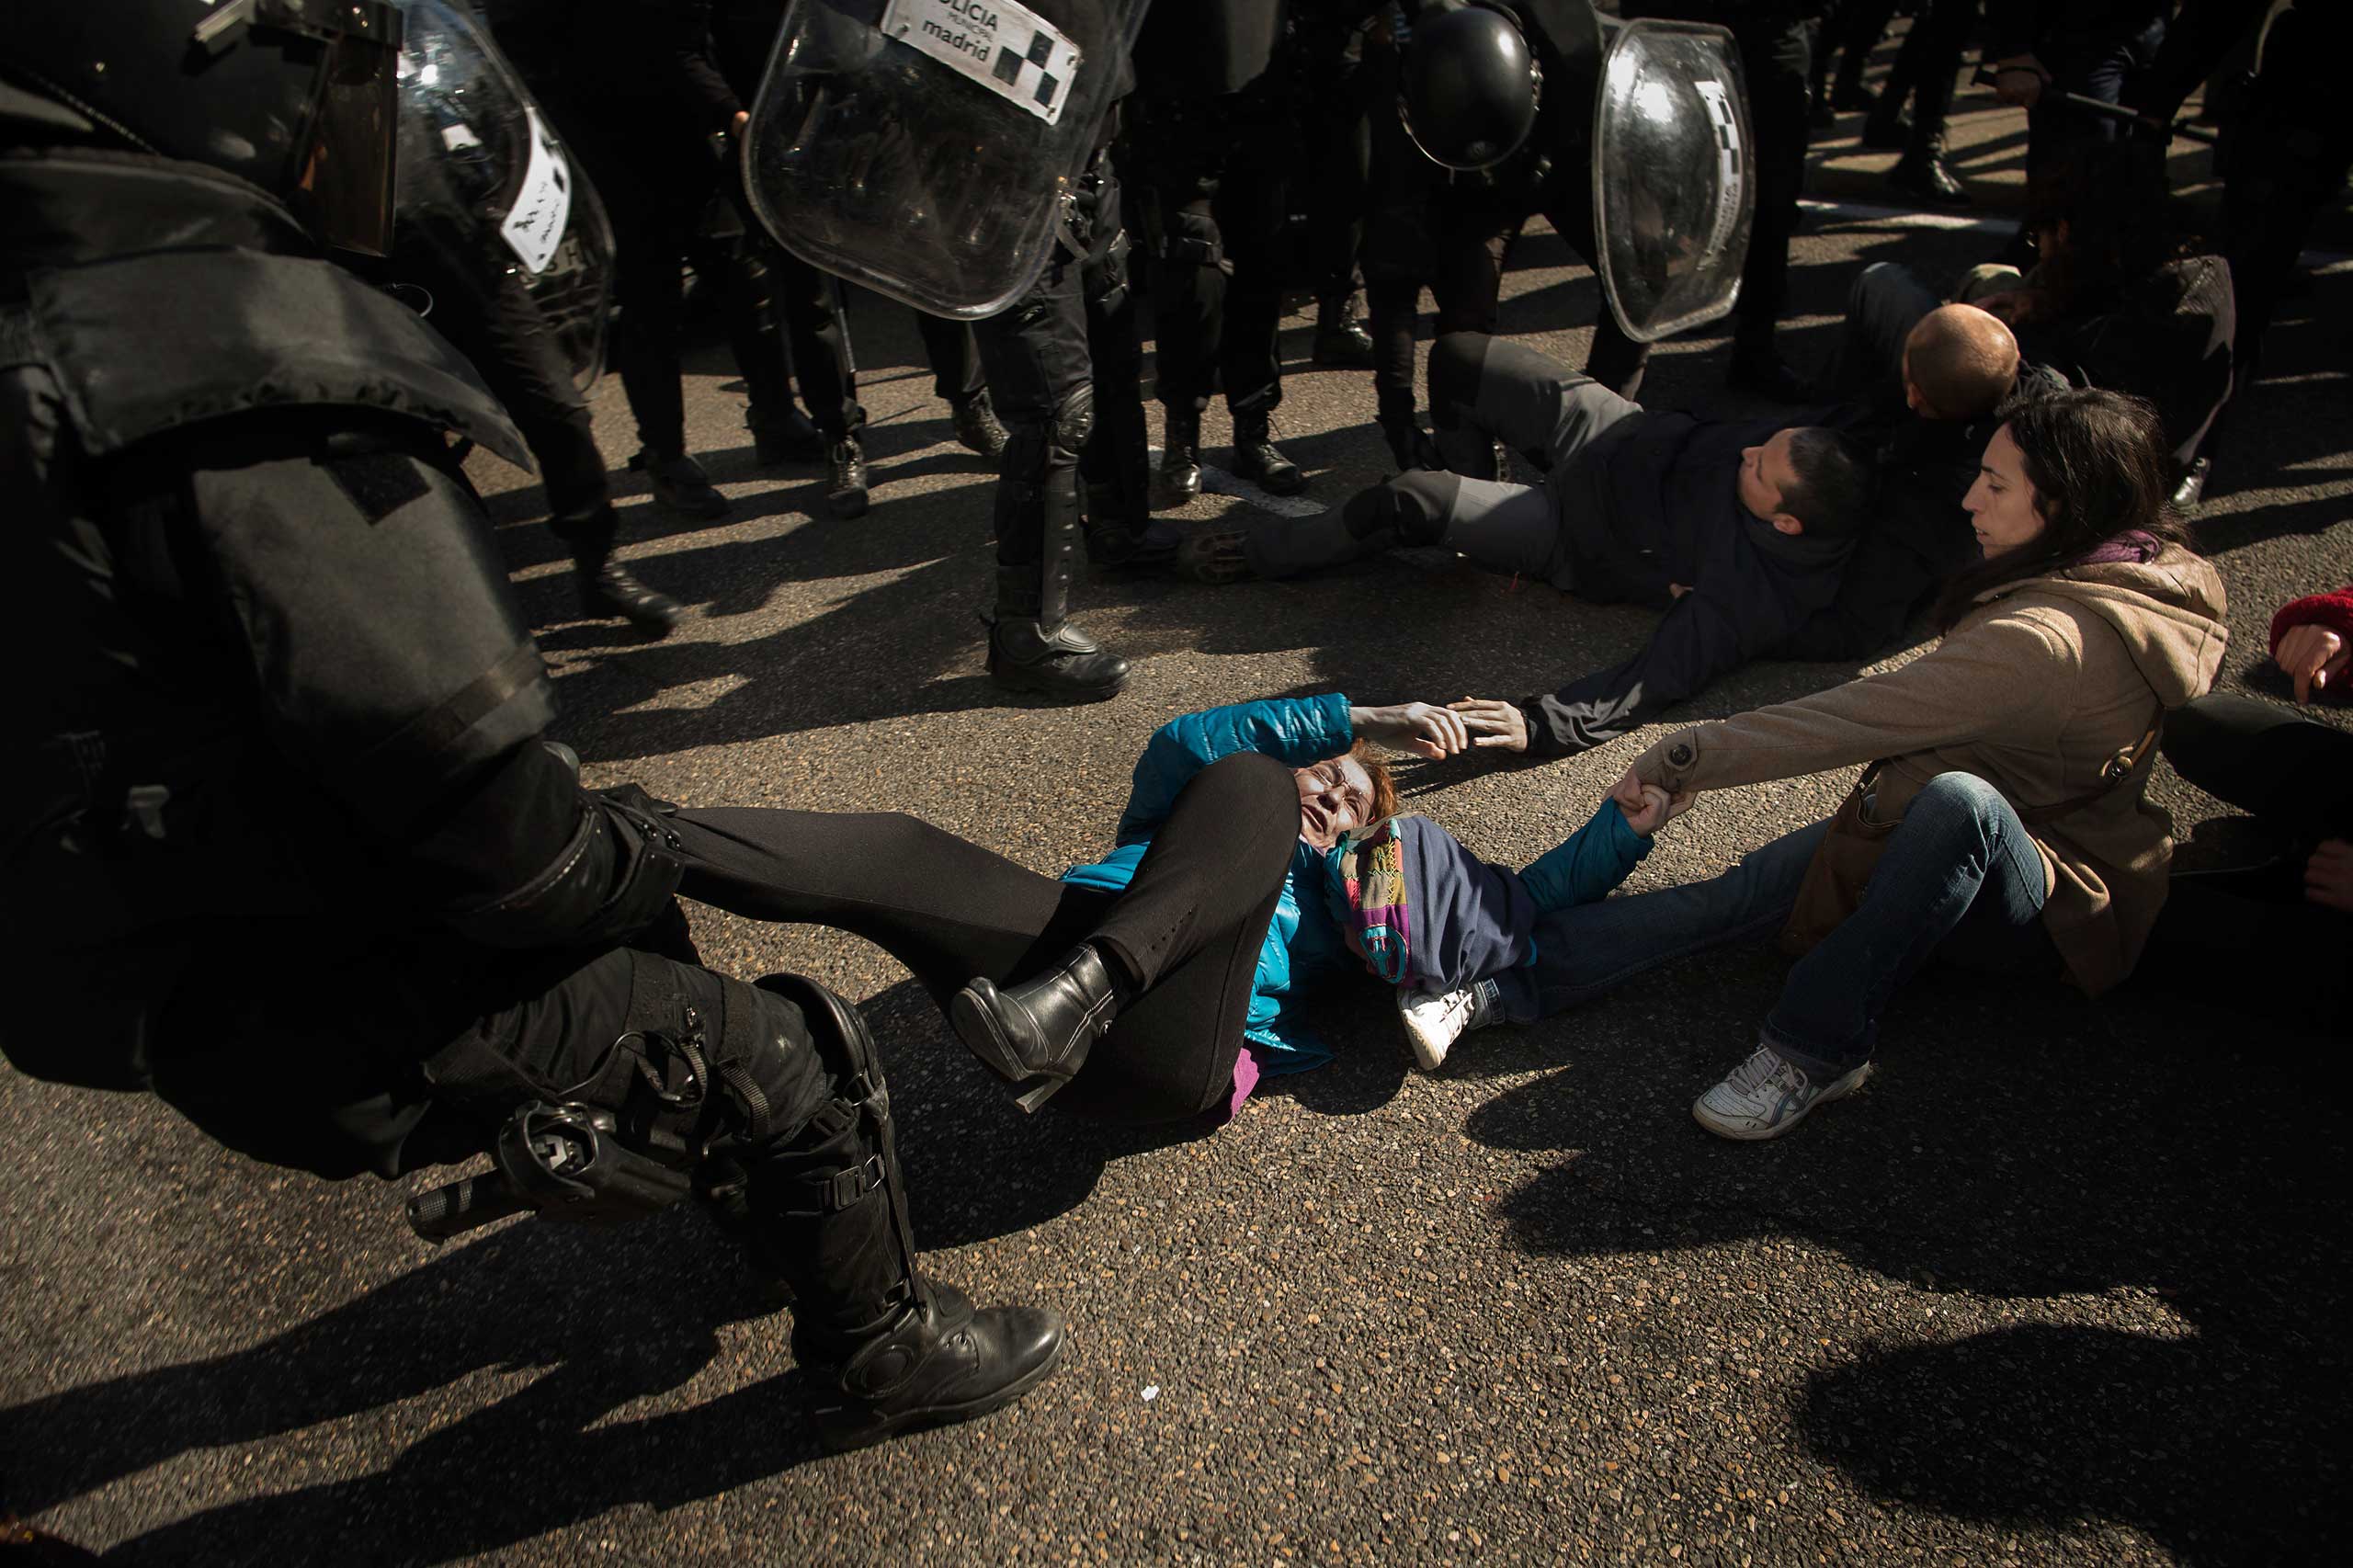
2034 692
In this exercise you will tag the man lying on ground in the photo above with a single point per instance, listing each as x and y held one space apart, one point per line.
1738 531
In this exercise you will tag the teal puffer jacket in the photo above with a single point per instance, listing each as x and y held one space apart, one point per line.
1303 945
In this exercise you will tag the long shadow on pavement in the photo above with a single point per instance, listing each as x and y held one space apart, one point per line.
2016 1145
521 1298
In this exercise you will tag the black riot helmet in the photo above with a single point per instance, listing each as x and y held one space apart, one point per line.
1470 87
295 96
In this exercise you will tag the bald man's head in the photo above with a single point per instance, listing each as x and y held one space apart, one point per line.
1958 363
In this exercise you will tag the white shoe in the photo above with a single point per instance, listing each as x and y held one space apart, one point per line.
1435 1019
1767 1095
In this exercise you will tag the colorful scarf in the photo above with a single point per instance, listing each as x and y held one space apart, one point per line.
1369 866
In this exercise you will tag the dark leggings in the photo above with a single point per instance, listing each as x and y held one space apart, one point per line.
1190 925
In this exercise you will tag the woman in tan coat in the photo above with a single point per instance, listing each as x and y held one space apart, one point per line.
2006 808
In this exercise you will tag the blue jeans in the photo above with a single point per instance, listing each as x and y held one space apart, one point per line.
1960 878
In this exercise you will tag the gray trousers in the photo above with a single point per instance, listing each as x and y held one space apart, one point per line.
1483 391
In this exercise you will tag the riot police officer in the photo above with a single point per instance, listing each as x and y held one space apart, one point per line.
1063 365
284 847
1490 128
1213 110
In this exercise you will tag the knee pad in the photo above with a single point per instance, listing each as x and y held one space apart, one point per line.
842 1155
1074 419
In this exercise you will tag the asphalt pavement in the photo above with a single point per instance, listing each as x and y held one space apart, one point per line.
2066 1283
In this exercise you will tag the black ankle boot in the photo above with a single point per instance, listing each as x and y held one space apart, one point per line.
845 479
1921 175
1339 339
1036 1035
942 1362
1032 645
1259 461
1180 458
611 590
680 483
608 589
1065 663
977 427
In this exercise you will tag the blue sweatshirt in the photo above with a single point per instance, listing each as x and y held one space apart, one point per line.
1420 909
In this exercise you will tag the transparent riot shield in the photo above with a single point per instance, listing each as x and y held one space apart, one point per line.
487 190
926 148
1672 187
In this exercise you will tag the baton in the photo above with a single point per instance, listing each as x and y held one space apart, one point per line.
2183 129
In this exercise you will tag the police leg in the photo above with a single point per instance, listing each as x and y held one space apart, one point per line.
1188 285
770 1100
1250 212
757 306
1115 465
885 1349
509 340
1037 360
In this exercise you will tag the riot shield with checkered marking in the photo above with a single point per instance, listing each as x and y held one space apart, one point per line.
1673 189
924 148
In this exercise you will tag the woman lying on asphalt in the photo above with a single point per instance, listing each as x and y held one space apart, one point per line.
1259 851
2004 826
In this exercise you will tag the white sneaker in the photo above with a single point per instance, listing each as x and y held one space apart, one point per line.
1435 1019
1767 1095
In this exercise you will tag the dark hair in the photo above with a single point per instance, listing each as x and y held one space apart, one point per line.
1833 485
2096 462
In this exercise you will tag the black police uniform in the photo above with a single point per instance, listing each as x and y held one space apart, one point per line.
1063 365
284 846
1455 231
1213 124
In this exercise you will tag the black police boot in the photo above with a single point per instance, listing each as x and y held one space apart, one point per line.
884 1349
1180 458
1921 176
977 428
680 483
1339 339
1258 460
845 479
783 434
1033 648
607 587
1036 1035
